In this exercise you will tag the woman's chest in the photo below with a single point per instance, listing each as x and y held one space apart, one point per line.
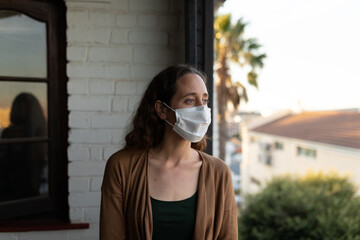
172 184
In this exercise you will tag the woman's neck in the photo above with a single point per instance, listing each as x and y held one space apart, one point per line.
173 149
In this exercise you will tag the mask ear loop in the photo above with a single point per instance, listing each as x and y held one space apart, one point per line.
171 110
168 106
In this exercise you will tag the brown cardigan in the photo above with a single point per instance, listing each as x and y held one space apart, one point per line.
126 205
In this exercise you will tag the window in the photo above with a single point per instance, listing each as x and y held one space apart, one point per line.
279 146
255 181
307 152
265 153
33 115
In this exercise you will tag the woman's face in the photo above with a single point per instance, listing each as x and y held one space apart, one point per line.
190 92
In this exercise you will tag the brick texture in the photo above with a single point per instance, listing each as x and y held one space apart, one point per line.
114 48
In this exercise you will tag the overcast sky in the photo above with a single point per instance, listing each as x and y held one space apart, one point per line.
313 49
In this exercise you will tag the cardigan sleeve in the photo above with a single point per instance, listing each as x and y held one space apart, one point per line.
229 228
112 221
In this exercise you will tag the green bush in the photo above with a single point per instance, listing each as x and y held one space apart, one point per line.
316 206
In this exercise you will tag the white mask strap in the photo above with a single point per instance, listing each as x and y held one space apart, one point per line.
169 123
168 106
172 110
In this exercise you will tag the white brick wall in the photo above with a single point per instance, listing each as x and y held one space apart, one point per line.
114 49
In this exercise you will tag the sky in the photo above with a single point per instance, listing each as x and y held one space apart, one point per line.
313 51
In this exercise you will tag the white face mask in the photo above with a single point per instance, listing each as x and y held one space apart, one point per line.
191 123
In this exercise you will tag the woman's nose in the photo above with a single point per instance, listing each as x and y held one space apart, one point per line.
199 102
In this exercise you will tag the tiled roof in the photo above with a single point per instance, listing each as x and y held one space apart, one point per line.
333 127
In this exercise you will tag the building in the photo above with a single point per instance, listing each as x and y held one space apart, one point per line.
88 63
295 143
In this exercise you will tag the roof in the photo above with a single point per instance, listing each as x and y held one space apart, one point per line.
332 127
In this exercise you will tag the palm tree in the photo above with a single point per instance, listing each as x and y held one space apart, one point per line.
231 45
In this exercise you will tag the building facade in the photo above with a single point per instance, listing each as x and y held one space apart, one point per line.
297 143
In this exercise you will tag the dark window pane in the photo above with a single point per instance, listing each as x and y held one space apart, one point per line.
23 170
23 109
22 46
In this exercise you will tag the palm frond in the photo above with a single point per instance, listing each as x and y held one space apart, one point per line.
238 29
252 78
252 44
222 23
232 45
244 92
258 61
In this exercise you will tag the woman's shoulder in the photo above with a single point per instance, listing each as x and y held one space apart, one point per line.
215 163
124 158
216 175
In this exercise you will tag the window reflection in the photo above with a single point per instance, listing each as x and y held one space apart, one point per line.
26 118
22 46
23 166
8 92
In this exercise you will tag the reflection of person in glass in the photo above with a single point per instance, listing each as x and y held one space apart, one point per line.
21 164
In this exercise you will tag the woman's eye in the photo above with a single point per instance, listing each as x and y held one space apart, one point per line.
205 101
190 101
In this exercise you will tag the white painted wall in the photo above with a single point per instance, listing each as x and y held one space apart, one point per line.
114 48
345 161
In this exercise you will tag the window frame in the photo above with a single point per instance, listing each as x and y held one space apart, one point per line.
306 152
199 45
55 205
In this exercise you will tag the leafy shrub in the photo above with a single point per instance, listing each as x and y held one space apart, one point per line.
316 206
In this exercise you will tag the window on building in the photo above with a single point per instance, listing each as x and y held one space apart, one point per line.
255 181
279 146
265 155
33 115
301 151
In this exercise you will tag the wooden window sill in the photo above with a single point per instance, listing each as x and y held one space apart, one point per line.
41 226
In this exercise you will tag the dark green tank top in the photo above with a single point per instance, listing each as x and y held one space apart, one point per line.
174 220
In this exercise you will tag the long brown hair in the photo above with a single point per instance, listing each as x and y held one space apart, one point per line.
147 129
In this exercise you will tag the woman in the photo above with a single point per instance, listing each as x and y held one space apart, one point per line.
161 185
